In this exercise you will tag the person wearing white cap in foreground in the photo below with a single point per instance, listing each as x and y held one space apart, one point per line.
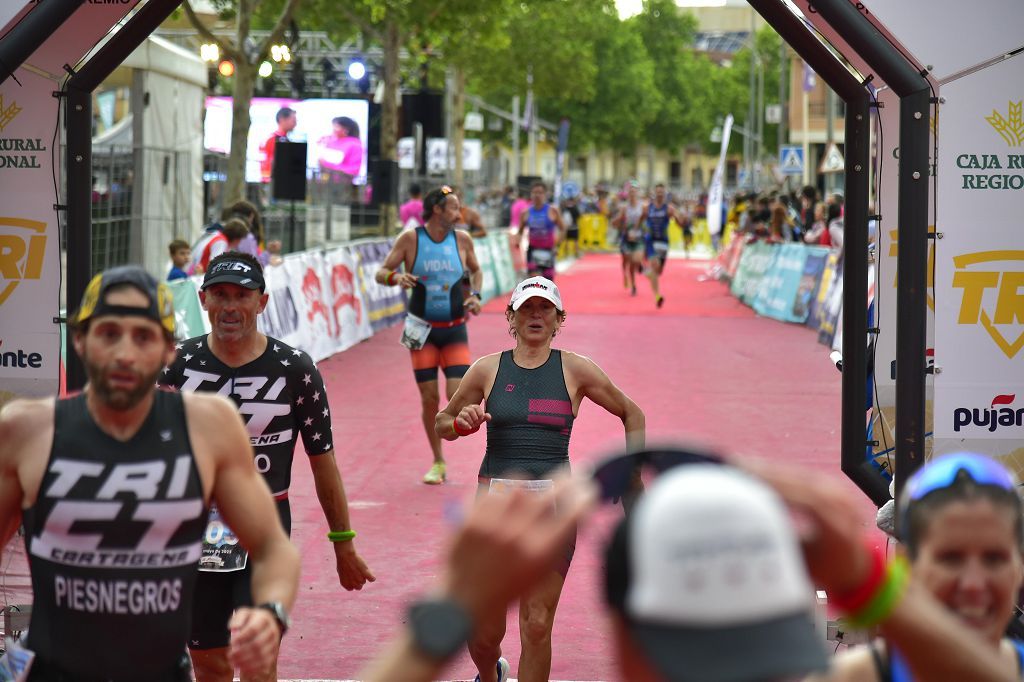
532 395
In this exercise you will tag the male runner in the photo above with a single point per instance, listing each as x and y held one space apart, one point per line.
279 391
113 486
469 218
437 258
657 215
545 229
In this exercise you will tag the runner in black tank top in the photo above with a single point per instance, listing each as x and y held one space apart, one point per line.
89 574
532 395
113 487
531 420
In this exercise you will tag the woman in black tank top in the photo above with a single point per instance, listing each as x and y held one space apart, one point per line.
532 395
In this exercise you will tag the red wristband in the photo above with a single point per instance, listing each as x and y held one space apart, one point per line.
855 599
459 432
391 279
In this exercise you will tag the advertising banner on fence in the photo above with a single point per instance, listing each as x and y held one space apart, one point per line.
189 317
778 293
979 321
29 234
754 263
484 257
385 305
501 256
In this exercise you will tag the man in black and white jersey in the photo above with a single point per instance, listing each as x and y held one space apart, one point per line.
113 485
280 394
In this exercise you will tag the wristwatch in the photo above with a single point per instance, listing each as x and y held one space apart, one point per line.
440 627
477 294
279 613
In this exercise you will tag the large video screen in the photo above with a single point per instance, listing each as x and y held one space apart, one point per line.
314 125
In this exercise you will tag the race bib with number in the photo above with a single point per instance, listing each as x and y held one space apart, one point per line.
415 333
634 235
543 258
660 247
503 486
221 551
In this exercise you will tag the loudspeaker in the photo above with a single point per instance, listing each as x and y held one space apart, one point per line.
384 175
426 108
288 175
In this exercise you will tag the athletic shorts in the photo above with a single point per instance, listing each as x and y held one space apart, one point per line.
627 247
572 234
219 594
654 254
447 348
533 266
565 558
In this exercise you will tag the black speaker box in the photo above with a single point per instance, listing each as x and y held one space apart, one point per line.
384 175
288 175
426 108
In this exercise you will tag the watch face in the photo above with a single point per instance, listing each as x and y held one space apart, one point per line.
439 628
278 610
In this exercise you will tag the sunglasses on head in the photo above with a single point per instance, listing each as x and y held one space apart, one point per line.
614 474
446 190
942 472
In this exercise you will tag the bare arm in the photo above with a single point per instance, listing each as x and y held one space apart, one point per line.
26 435
593 383
477 223
465 404
395 259
476 275
11 494
352 570
556 217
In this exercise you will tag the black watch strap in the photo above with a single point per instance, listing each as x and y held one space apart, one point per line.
279 613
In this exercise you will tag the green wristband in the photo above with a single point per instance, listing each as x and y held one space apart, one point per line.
885 600
340 535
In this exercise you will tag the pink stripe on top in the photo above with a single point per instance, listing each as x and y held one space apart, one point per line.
550 406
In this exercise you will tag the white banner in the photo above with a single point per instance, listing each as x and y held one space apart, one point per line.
715 198
979 334
437 155
29 238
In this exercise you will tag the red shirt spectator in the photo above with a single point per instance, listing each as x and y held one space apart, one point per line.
285 124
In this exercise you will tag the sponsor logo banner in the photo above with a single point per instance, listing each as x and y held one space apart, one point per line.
979 264
385 305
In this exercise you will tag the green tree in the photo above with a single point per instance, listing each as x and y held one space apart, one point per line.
246 57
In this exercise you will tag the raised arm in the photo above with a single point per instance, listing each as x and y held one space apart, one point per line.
465 404
388 273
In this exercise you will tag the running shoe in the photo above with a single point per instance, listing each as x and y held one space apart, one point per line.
503 671
633 291
436 475
660 301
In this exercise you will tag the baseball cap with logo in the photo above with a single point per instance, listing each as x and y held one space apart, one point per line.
234 271
708 574
536 286
160 308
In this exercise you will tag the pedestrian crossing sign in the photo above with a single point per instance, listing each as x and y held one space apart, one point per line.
791 160
832 161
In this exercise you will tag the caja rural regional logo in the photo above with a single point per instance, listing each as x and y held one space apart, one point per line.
999 413
22 247
1011 126
991 295
8 113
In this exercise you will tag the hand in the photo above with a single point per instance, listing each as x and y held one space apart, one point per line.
352 570
255 640
831 527
510 542
405 280
471 418
472 305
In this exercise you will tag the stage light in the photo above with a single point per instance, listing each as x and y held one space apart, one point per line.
356 70
209 52
280 53
226 68
266 68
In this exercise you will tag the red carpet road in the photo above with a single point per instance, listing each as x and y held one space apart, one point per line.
704 368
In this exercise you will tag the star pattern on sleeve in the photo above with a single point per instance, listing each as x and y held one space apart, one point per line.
307 379
276 347
300 400
308 421
188 357
285 363
316 396
326 412
203 363
179 346
199 344
297 352
316 436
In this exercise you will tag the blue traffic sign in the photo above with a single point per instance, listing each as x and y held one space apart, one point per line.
791 160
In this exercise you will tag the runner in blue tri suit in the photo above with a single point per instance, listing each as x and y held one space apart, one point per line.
543 225
657 215
629 222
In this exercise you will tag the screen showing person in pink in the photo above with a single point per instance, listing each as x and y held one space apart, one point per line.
342 151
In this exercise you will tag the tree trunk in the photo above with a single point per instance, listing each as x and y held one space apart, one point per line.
458 123
389 116
245 80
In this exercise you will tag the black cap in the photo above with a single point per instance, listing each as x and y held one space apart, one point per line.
160 308
235 271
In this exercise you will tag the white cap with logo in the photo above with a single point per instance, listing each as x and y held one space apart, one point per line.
718 591
536 286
